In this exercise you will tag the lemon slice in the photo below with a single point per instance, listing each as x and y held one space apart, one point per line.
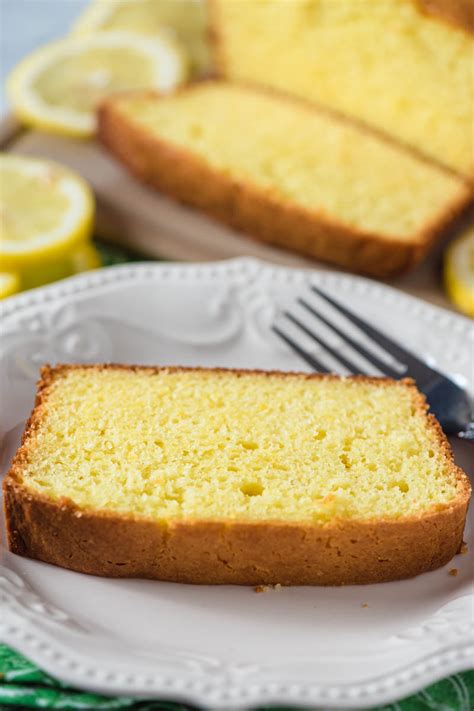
84 258
45 210
9 284
459 272
184 19
58 87
80 258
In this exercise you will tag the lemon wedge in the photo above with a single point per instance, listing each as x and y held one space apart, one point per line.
459 272
58 87
184 19
9 284
45 211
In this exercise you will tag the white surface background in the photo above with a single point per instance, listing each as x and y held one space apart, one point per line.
27 24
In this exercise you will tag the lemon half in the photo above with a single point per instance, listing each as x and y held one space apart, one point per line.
57 88
45 211
459 272
184 19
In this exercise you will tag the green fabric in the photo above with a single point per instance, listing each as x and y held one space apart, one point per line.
24 686
113 254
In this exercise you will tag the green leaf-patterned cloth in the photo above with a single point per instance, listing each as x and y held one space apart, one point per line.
24 686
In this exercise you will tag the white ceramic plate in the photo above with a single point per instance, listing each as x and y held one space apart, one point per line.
223 647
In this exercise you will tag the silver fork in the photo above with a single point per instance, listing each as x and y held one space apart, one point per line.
447 400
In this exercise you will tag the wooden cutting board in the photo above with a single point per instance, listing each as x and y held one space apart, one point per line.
133 215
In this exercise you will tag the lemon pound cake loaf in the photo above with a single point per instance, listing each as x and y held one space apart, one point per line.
405 67
285 173
245 477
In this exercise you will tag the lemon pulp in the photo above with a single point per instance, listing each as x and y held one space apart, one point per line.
45 210
81 80
58 87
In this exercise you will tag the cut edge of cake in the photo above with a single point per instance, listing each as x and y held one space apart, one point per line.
457 14
187 177
340 552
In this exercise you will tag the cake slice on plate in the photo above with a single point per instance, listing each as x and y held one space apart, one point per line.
232 476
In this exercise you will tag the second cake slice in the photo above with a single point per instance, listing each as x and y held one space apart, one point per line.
285 173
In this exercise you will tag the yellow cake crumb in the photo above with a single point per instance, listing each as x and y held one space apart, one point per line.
216 445
322 165
385 63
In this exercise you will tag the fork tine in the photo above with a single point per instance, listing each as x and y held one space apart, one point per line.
403 356
342 360
358 347
310 359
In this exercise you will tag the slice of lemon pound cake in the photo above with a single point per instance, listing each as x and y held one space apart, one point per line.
405 67
285 173
233 476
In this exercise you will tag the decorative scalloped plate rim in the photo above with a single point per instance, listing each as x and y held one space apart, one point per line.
220 686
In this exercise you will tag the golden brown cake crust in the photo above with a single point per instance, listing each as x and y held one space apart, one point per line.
342 552
188 178
458 12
